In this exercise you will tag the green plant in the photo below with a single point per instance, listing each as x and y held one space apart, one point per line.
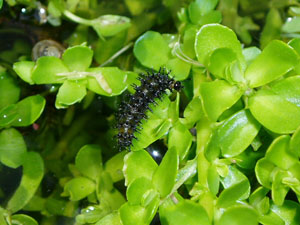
232 134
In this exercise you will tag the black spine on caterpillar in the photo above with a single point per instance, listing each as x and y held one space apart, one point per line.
131 112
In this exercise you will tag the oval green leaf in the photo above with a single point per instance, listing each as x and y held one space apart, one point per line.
9 90
165 175
79 188
145 50
276 59
138 164
218 96
214 36
29 110
237 133
24 70
89 161
12 148
274 112
33 172
78 58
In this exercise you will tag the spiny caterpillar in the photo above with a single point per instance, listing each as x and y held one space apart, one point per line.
131 112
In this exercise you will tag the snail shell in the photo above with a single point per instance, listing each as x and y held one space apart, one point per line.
47 48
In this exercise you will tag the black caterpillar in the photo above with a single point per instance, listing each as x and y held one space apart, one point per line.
131 112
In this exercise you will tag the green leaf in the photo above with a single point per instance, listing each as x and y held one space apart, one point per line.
24 70
291 25
138 164
185 212
165 175
110 25
137 189
289 212
180 69
29 110
9 90
23 219
263 171
274 112
180 132
79 188
111 219
218 96
70 93
272 28
114 166
78 58
250 54
33 171
8 114
237 133
145 50
239 214
295 142
278 153
89 161
108 81
275 60
289 89
48 70
279 190
193 112
12 148
132 214
220 59
215 36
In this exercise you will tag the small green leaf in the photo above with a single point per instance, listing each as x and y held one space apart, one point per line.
165 175
180 69
279 190
185 212
278 153
114 166
237 133
289 89
220 59
8 114
24 70
33 171
48 70
275 60
78 188
132 214
180 132
272 28
263 171
291 25
70 93
239 214
108 81
215 36
111 219
78 58
9 90
138 164
137 189
295 142
289 212
23 219
250 54
193 112
274 112
110 25
145 50
89 161
12 148
29 110
218 96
